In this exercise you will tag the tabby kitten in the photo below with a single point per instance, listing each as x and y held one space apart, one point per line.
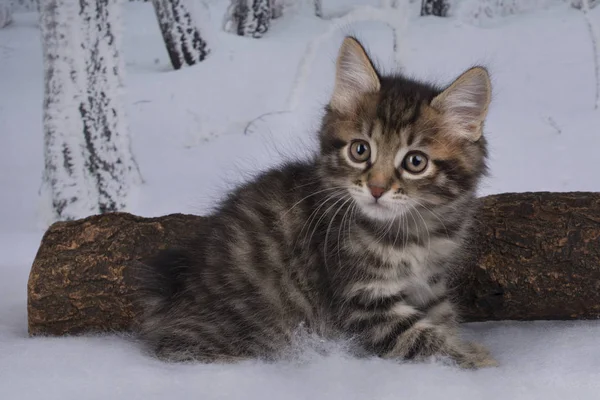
356 243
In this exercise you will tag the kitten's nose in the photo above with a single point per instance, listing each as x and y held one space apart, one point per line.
377 191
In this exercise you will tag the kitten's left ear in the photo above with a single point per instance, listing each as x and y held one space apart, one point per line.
466 102
355 76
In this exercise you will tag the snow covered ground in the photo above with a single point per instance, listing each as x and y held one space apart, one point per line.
187 130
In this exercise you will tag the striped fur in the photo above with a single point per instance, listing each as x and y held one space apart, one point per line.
309 243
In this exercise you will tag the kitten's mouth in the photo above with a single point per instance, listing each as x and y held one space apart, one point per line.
376 204
377 209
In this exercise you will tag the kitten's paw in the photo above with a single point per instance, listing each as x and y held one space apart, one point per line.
475 356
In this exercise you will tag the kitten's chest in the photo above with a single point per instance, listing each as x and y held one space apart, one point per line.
419 259
415 271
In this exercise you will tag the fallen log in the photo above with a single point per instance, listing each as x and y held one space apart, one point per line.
81 279
535 256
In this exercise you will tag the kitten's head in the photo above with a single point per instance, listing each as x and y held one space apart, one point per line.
393 143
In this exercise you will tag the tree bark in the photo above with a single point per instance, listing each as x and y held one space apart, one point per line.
250 18
67 184
105 132
5 14
439 8
24 5
182 37
81 278
534 256
89 167
579 3
318 8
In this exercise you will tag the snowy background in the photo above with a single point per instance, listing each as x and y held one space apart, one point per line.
187 130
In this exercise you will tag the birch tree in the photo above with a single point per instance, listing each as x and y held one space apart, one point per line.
23 5
182 37
595 41
580 4
435 7
89 167
5 14
318 4
250 18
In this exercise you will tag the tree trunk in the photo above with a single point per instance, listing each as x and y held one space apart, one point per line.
89 167
182 37
579 3
535 256
5 14
250 18
67 182
81 280
276 8
24 5
438 8
318 8
106 138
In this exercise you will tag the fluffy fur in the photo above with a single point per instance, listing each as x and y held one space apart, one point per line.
357 243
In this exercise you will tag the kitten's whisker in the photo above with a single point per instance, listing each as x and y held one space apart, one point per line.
341 230
329 227
310 195
414 220
385 229
322 203
313 215
388 229
434 214
406 233
314 181
425 225
399 226
321 218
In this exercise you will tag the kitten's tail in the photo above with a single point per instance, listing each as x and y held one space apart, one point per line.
159 281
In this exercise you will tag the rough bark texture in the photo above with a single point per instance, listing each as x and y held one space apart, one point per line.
108 149
81 281
5 14
251 18
88 164
438 8
579 3
318 8
23 5
182 37
67 183
536 256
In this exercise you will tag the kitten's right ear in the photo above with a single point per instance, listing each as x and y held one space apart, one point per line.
466 102
355 76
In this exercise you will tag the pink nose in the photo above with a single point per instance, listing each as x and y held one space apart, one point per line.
377 191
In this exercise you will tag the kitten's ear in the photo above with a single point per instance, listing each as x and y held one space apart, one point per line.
466 101
355 76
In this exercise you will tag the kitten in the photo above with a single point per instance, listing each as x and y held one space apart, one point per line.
356 243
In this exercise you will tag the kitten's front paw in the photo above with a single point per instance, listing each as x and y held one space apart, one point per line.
474 356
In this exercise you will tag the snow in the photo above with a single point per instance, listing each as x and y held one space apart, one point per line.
187 134
394 18
486 12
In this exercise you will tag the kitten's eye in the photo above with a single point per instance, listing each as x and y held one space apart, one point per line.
415 162
360 151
